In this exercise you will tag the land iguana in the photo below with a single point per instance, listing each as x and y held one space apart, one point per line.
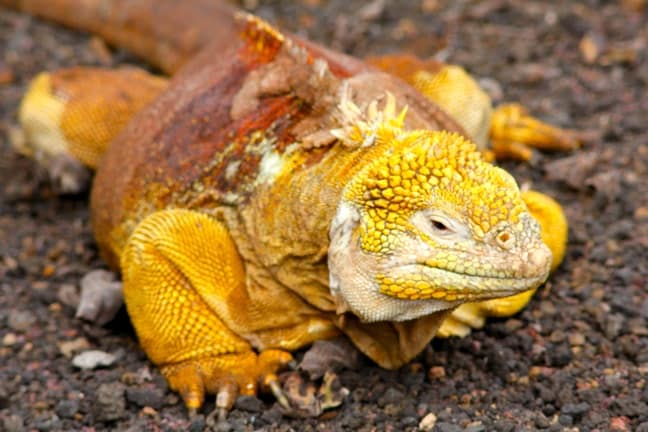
274 193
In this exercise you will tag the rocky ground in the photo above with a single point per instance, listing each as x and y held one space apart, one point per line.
575 359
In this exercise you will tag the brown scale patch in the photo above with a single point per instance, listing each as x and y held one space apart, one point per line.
168 146
341 65
202 139
179 149
263 40
404 66
267 126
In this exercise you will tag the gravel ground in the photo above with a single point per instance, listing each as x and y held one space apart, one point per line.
575 359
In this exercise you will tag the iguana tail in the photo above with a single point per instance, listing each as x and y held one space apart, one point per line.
165 33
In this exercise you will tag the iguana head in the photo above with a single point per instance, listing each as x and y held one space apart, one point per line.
427 224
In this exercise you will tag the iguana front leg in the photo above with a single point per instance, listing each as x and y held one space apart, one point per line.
185 291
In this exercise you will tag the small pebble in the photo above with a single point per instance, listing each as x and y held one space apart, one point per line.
613 325
148 411
642 427
576 339
9 339
68 348
223 426
392 410
20 320
436 372
575 410
391 396
559 355
557 336
5 397
67 408
541 421
198 424
640 213
248 403
146 397
110 402
548 308
620 424
46 422
447 427
644 309
7 76
13 423
408 421
492 87
272 416
475 426
513 325
48 271
93 359
565 420
68 295
630 406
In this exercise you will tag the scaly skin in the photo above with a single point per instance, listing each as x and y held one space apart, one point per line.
70 113
254 208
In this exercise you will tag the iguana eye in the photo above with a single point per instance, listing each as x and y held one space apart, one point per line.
439 226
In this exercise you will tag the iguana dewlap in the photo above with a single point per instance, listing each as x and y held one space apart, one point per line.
276 194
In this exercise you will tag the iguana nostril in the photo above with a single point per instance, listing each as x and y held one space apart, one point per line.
505 240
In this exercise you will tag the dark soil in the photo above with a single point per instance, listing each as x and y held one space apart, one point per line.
575 359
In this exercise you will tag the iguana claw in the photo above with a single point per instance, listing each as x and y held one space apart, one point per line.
273 383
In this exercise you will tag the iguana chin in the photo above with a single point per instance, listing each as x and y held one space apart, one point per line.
276 193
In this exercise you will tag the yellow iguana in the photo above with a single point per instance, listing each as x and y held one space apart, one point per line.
274 193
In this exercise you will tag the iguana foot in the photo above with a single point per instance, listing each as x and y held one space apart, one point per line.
227 376
553 225
515 133
471 316
185 291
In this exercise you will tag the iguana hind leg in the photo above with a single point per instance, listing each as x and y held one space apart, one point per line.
185 291
72 115
512 131
449 86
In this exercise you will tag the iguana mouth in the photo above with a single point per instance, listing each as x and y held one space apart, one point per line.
483 276
533 262
420 281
